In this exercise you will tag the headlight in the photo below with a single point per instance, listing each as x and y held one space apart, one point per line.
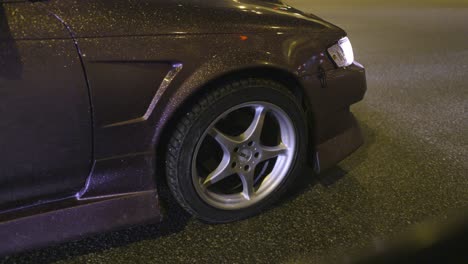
342 52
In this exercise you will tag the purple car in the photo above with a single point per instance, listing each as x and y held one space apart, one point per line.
222 101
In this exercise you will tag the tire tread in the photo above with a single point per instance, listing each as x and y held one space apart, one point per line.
185 123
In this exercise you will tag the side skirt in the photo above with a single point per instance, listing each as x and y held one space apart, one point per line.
76 219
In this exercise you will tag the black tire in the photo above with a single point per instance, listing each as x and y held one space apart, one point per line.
192 126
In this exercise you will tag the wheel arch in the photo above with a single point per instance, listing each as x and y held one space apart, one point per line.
278 74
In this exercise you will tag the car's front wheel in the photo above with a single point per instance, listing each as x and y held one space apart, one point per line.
237 150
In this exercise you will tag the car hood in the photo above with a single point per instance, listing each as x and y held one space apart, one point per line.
90 18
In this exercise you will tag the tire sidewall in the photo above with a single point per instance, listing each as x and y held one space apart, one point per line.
239 95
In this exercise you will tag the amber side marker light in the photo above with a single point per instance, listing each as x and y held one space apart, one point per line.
244 38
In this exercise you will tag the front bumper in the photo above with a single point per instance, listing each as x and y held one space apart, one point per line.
335 131
334 150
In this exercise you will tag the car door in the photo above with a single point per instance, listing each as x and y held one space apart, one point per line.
45 117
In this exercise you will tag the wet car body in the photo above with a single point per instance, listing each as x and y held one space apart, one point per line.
94 88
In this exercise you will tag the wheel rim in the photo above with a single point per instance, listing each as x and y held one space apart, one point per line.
244 155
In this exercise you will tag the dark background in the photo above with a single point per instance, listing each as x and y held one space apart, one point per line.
413 167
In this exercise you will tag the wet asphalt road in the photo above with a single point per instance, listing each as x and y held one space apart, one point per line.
413 167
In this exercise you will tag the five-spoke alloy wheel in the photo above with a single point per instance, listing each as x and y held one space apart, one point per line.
245 156
237 150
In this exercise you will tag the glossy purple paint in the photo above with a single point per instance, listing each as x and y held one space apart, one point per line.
166 52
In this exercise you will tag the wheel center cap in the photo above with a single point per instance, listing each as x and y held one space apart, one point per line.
244 155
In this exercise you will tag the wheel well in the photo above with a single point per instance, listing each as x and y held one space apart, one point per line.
284 77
